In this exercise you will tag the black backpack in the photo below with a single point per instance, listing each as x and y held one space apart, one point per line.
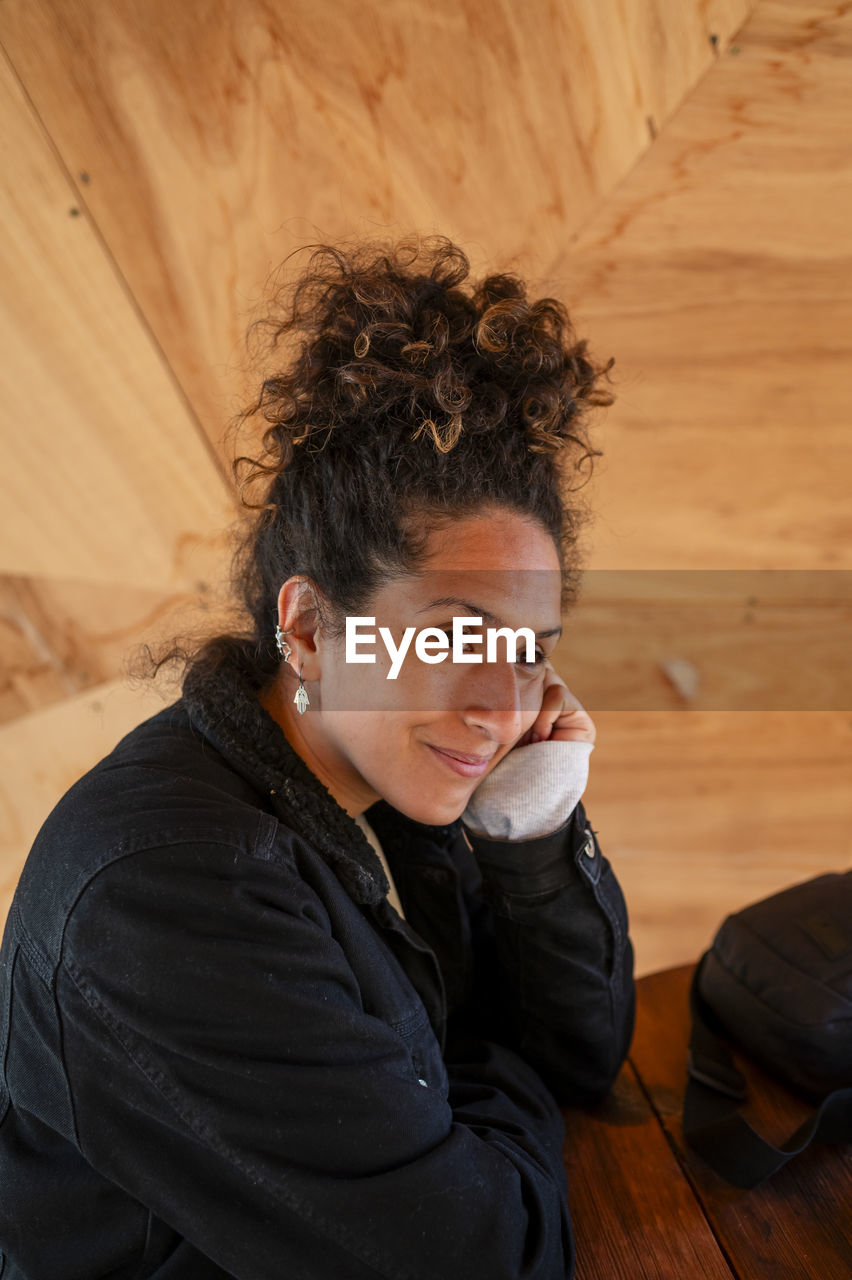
777 980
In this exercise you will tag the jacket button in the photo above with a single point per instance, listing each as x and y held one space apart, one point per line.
423 1082
589 847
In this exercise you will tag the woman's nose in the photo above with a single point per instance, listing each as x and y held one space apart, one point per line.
492 701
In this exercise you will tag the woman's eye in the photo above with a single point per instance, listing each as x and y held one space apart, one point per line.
471 646
540 659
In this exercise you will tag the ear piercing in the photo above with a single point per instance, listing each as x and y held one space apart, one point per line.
283 646
300 697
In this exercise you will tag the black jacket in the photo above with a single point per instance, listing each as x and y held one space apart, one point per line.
222 1051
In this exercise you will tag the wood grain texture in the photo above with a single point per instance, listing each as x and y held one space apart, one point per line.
105 476
632 1209
720 276
701 813
797 1224
209 139
61 637
753 641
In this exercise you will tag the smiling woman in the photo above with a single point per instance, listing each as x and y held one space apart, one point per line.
297 977
410 741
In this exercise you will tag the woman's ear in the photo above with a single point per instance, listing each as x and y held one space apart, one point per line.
299 618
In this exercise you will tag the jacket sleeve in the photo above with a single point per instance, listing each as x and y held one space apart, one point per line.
224 1071
553 962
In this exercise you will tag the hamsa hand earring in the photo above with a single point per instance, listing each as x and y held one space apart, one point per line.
300 697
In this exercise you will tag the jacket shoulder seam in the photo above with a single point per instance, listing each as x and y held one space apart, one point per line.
255 847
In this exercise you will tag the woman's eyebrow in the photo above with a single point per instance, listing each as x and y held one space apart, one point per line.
478 612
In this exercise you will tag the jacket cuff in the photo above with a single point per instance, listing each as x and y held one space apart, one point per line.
542 862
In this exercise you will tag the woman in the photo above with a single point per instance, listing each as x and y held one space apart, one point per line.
295 978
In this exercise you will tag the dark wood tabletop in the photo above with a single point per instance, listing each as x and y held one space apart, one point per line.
644 1205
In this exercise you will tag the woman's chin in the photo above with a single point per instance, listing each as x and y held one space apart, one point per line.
432 813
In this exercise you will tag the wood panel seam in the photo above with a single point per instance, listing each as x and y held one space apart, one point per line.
119 276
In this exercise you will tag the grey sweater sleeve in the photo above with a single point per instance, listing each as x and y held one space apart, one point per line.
531 792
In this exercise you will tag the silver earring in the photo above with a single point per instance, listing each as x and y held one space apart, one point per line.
300 697
283 646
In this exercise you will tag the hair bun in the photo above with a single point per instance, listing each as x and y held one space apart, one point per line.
381 335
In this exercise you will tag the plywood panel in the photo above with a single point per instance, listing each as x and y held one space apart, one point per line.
105 477
703 812
208 139
61 637
720 276
727 640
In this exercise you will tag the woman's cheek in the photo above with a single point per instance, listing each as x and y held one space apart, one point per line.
531 695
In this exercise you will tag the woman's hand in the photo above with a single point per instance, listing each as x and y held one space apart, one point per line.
561 717
529 794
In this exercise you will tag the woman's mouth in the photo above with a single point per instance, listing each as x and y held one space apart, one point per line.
466 765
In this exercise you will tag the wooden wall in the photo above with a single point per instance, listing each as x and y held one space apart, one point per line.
680 178
719 272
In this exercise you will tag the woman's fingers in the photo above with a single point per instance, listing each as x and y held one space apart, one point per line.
562 716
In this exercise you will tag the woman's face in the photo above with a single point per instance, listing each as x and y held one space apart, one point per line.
367 736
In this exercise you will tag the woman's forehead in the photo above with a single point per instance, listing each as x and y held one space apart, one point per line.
497 540
501 597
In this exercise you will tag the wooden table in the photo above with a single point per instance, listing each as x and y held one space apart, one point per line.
644 1205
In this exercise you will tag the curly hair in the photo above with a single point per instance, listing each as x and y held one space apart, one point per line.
402 400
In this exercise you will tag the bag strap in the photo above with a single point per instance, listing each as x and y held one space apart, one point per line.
712 1124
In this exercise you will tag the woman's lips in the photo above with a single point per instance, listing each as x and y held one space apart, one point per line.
466 766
